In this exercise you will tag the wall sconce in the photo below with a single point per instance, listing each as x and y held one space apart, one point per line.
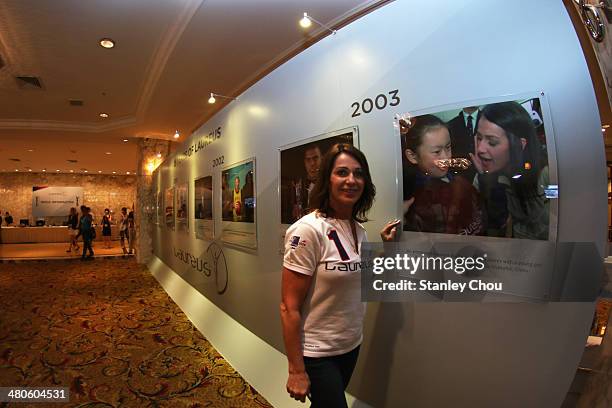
307 20
212 99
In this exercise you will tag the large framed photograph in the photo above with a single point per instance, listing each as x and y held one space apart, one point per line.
169 207
182 207
299 168
238 204
484 168
203 205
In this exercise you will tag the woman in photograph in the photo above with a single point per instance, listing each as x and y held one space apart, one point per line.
321 310
511 177
439 201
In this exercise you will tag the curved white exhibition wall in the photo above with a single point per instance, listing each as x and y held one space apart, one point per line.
435 54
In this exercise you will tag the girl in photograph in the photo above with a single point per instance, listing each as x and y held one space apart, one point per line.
321 310
511 176
438 201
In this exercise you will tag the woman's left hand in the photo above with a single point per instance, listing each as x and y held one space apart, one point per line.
389 230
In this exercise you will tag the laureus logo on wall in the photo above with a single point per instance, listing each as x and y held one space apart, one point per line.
211 263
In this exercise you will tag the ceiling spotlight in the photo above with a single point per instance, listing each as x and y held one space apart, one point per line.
114 172
29 169
212 99
107 43
127 172
125 140
99 171
72 171
159 155
307 20
30 150
44 170
176 134
16 169
108 153
86 171
57 170
104 115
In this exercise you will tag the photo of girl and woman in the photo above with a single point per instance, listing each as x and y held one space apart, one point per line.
477 170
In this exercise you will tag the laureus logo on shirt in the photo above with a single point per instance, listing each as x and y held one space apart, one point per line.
295 242
348 266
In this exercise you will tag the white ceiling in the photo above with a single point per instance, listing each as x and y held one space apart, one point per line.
169 55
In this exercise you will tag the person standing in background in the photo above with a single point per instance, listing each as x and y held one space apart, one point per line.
131 227
106 228
73 229
85 229
123 229
8 219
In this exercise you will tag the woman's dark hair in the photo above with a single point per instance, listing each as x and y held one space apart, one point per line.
418 127
525 164
319 197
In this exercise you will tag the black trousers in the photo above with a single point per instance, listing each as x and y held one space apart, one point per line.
329 377
87 246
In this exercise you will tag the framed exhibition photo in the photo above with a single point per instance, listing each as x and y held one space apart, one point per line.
169 207
299 167
485 168
299 164
238 204
203 206
182 207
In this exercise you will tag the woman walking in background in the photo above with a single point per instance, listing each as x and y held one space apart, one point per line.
73 229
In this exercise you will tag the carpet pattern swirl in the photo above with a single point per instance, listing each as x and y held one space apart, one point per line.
108 331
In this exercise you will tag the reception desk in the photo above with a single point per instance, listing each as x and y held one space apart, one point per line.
23 235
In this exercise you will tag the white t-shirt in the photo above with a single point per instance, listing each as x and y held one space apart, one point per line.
332 312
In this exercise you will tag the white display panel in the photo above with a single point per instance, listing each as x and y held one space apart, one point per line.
419 56
55 201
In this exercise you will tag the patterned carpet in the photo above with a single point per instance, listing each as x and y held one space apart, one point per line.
107 330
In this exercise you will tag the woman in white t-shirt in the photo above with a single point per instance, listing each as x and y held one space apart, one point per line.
321 308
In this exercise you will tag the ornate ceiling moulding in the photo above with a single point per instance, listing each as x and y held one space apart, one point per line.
67 126
163 52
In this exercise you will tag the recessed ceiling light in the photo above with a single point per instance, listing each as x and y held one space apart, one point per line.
16 169
107 43
29 169
114 172
125 140
99 171
72 171
57 170
159 155
108 153
104 115
127 172
44 170
176 134
86 171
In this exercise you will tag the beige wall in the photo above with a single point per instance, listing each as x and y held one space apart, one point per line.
100 191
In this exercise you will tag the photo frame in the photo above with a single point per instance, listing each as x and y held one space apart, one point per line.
204 224
239 204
